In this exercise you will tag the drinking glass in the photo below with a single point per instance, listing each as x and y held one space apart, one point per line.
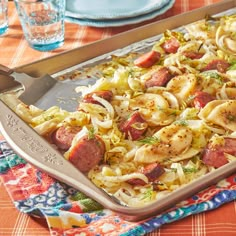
42 22
3 16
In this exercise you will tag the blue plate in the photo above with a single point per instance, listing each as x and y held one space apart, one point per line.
109 9
120 21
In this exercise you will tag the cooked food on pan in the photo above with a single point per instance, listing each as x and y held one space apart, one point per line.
153 121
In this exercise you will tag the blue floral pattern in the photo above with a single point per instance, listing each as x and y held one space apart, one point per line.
60 203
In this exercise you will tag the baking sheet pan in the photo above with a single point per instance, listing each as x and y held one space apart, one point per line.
16 131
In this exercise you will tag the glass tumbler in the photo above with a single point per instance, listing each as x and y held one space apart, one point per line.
42 22
3 16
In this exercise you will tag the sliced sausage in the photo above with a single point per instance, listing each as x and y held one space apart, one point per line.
87 153
216 156
136 181
148 59
171 45
193 55
152 171
134 126
63 136
217 64
201 99
105 94
159 78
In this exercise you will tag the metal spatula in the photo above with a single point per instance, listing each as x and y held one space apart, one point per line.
42 92
33 88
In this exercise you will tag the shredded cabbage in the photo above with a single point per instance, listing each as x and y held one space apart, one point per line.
176 132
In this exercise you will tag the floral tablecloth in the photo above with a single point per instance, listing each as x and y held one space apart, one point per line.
69 212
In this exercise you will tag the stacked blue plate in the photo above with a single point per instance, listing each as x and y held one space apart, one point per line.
108 13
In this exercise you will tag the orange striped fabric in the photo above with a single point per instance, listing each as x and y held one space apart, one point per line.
15 52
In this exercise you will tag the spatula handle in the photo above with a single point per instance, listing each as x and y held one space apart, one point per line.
4 70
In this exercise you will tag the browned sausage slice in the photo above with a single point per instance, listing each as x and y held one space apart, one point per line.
152 171
63 136
218 64
201 99
171 45
87 153
148 59
193 55
216 156
159 78
105 94
134 126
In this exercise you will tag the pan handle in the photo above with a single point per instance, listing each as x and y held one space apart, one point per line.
37 151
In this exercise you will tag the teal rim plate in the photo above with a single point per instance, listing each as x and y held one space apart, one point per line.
120 22
108 9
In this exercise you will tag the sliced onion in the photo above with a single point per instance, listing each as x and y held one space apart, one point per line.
222 94
191 46
232 75
179 171
168 177
224 41
126 196
232 135
118 149
79 135
130 154
215 130
124 178
175 70
106 124
93 109
106 104
230 44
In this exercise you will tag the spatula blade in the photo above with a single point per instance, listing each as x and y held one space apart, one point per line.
34 88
